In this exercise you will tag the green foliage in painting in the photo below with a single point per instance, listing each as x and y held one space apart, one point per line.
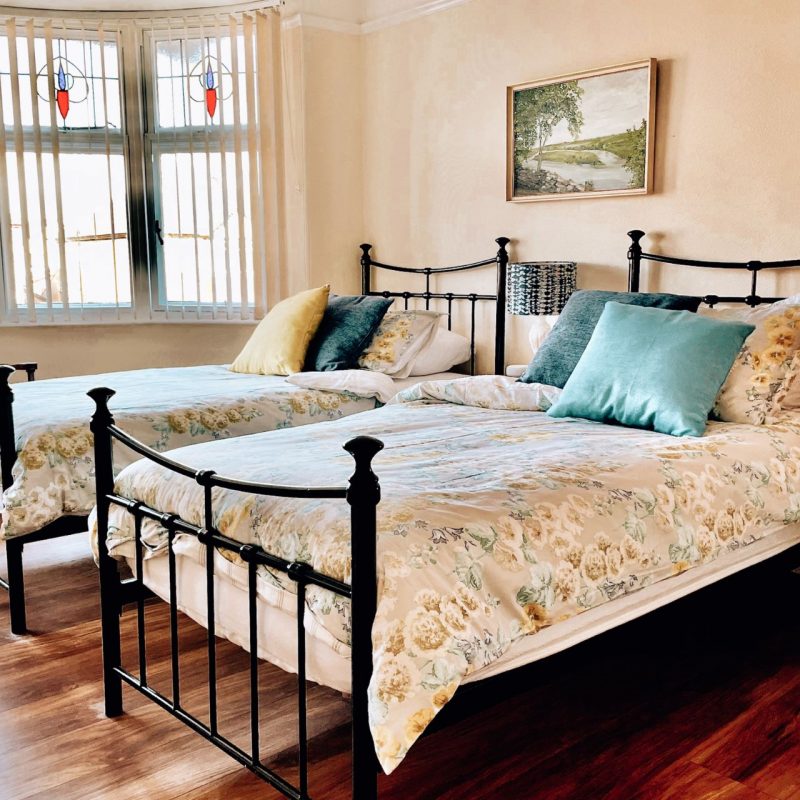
636 158
537 111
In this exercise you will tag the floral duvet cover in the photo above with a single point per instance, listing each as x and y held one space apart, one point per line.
495 522
164 408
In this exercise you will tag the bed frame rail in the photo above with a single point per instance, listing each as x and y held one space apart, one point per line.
499 297
363 495
636 255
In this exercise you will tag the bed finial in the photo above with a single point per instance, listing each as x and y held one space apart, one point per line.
366 263
102 417
634 260
364 485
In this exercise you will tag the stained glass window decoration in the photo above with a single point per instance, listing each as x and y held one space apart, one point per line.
210 82
69 85
72 75
196 78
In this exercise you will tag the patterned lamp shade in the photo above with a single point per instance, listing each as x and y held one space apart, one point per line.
540 287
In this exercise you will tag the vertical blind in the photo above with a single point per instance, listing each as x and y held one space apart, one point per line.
138 173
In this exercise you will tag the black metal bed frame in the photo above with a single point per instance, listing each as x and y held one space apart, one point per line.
636 255
501 260
363 495
68 525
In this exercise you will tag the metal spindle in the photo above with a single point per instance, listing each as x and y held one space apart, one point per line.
406 295
427 289
449 311
140 622
472 299
204 479
252 576
173 618
296 571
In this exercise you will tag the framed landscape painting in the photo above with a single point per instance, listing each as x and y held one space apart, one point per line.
589 134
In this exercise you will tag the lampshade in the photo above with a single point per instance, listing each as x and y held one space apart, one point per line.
539 287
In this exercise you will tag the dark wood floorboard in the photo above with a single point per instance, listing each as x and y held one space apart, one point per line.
700 701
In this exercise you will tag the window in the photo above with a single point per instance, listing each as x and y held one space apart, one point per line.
133 176
198 133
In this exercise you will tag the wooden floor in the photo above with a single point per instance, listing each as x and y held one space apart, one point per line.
698 701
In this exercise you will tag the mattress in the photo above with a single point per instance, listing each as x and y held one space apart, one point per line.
163 408
328 663
495 526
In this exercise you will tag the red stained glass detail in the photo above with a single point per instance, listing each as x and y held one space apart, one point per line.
62 101
211 101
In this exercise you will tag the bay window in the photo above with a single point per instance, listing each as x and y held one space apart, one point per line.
133 176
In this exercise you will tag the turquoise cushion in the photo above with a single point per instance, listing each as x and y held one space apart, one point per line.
346 329
562 349
652 368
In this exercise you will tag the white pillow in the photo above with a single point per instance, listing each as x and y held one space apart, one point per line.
360 382
445 351
400 338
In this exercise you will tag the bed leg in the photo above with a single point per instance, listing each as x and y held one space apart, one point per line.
363 495
16 587
110 591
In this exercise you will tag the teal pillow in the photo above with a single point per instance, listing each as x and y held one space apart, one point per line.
562 349
346 329
652 368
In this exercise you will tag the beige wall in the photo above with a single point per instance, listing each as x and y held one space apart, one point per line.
89 349
727 118
334 131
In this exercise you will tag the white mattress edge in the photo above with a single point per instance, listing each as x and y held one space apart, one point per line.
332 668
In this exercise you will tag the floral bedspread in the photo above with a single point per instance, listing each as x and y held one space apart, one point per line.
164 408
493 525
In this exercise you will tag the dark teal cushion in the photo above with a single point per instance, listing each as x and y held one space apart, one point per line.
564 345
346 329
652 368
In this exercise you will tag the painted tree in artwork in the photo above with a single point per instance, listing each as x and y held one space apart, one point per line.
636 159
537 111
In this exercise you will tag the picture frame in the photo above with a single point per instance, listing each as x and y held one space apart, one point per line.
586 134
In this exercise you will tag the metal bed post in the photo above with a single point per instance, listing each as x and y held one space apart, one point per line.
8 456
366 264
363 495
634 260
110 600
8 445
500 310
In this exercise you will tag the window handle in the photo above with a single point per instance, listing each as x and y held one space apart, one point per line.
159 233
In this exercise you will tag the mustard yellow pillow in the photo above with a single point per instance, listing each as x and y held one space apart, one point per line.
278 345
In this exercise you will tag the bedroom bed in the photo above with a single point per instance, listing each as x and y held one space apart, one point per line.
497 536
45 443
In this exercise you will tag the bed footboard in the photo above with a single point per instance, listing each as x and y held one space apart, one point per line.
363 495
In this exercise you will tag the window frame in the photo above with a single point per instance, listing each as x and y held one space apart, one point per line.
139 144
76 142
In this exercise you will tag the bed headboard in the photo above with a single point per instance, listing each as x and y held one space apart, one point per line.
636 255
500 260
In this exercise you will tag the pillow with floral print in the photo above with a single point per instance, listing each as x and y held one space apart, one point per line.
756 381
400 338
